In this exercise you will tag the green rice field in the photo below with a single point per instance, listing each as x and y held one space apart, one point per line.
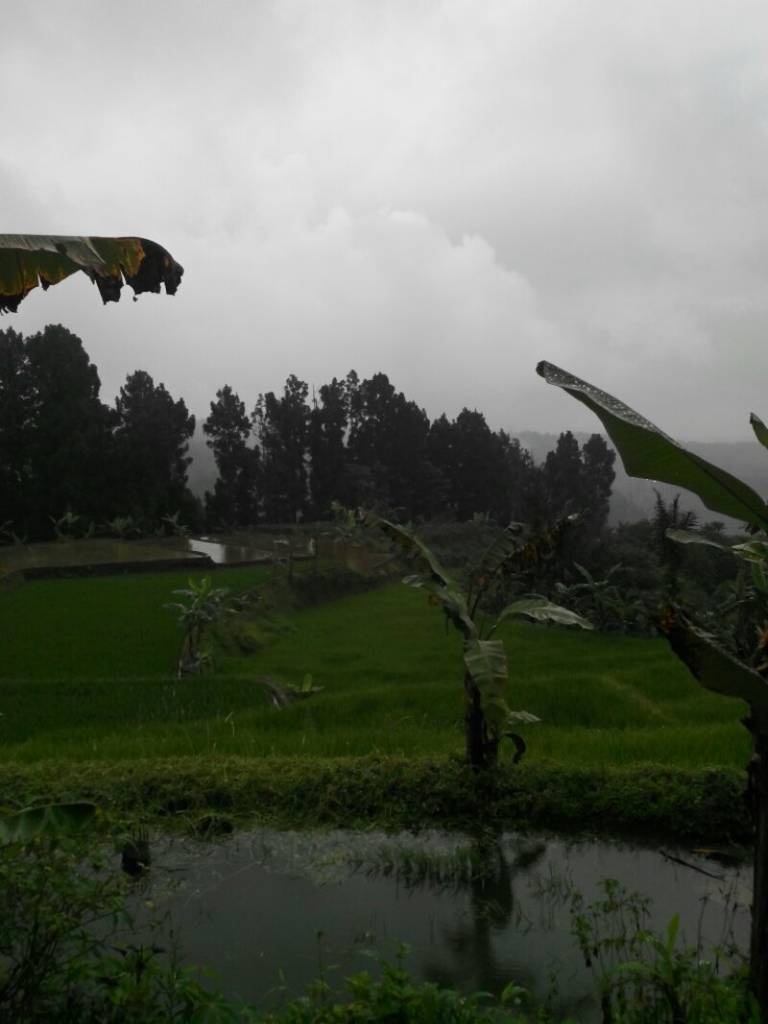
86 674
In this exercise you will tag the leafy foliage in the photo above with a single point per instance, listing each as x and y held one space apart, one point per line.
66 952
645 978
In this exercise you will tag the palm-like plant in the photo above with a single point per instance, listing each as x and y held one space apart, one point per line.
204 605
121 527
175 527
64 526
599 599
488 719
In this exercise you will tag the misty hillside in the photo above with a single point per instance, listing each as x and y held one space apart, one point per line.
634 499
631 500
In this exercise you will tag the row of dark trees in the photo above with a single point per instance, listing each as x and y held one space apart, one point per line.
62 449
359 442
362 442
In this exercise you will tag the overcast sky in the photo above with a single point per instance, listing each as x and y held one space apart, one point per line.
443 191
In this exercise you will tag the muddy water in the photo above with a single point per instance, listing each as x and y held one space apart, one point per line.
266 910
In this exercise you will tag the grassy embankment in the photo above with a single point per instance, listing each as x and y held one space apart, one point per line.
90 707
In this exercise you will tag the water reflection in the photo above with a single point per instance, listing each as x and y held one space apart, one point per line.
478 911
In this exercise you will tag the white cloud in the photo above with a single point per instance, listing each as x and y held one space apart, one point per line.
445 191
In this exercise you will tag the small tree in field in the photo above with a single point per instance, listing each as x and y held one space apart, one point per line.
487 717
204 605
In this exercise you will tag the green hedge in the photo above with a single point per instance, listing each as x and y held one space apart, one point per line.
705 805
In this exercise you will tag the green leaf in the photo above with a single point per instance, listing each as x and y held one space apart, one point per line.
713 667
753 550
413 550
672 930
451 600
649 453
27 261
502 548
688 537
486 662
523 716
518 549
760 429
540 609
50 819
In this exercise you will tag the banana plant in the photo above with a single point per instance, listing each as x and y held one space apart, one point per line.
488 719
64 526
205 605
649 453
27 261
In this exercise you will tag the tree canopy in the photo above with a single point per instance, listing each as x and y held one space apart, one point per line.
358 441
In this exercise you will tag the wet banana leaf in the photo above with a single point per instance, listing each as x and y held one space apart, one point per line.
27 261
713 667
413 550
541 610
689 537
503 547
649 453
50 819
755 551
450 600
486 662
760 429
518 549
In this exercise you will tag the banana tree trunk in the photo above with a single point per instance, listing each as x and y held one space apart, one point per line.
480 754
758 951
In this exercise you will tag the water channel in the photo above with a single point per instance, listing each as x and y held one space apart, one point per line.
266 909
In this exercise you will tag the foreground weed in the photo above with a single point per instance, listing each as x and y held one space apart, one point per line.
643 978
65 949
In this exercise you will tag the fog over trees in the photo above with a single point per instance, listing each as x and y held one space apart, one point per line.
279 457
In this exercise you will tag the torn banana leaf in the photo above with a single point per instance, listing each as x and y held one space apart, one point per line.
27 261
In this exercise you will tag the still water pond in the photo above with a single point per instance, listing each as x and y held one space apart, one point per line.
264 909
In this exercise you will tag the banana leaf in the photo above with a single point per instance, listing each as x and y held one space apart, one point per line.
713 667
27 261
542 610
518 549
649 453
760 429
486 662
451 601
413 550
503 547
689 537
